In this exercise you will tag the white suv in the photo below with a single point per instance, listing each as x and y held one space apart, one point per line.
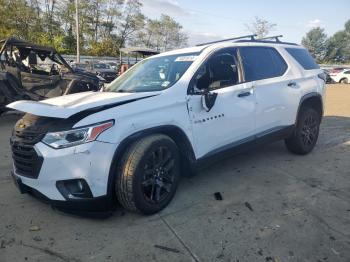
341 77
163 118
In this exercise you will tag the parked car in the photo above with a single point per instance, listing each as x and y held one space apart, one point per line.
337 70
79 66
104 70
342 77
30 71
113 65
167 116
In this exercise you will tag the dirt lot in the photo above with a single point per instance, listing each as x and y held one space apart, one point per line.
276 207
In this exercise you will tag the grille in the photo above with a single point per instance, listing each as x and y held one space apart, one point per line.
26 160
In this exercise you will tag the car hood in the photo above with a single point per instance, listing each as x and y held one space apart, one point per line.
68 105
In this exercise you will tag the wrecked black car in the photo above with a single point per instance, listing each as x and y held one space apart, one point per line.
32 72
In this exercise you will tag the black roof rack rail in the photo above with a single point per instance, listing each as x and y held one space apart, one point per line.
252 38
276 37
267 40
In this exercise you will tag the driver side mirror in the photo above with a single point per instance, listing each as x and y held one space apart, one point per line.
208 100
202 84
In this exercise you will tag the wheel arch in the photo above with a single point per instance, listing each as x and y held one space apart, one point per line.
343 78
174 132
313 100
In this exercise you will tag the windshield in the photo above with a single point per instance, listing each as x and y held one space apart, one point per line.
154 74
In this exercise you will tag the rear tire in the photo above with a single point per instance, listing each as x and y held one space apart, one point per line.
148 174
305 135
344 81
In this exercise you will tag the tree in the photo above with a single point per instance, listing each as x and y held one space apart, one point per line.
316 42
339 46
131 21
260 27
19 18
163 34
105 25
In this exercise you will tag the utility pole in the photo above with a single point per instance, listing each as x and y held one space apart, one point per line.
77 28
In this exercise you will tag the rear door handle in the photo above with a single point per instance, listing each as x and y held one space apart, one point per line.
292 84
245 93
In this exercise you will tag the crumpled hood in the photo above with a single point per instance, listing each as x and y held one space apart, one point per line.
68 105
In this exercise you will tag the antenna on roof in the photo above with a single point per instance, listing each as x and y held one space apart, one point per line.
252 38
276 37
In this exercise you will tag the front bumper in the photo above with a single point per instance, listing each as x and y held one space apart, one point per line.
89 162
98 207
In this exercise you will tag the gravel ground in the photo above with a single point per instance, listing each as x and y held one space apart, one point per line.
276 207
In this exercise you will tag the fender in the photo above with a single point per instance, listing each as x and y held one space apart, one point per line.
174 132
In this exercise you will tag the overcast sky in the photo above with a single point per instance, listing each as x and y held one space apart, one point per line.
207 20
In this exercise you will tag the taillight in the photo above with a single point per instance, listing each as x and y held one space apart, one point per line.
322 76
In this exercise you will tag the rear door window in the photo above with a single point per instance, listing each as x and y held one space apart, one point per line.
262 63
303 57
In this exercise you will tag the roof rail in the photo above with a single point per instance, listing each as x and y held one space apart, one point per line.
252 38
276 37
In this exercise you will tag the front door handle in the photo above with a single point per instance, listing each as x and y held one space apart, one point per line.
245 93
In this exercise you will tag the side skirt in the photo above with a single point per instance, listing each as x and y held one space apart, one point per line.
244 145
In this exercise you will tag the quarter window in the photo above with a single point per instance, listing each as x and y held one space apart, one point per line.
261 63
303 58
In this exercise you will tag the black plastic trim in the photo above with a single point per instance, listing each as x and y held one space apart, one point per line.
307 96
62 188
273 134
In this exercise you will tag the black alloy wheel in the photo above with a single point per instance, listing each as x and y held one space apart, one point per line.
148 174
305 135
158 178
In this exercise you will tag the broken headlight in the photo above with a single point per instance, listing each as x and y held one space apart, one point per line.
77 136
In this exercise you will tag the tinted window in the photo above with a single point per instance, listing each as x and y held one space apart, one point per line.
261 63
303 57
102 66
219 71
347 72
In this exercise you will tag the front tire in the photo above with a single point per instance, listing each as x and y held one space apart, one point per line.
305 136
148 174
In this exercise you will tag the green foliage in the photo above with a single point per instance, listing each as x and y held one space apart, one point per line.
316 42
335 49
106 47
162 35
104 25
